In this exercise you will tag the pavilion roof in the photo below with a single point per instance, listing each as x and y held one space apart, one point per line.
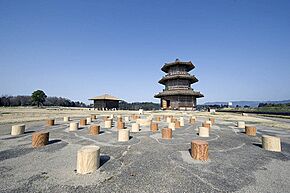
105 97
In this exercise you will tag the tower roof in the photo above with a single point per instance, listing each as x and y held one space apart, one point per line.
183 92
189 77
189 65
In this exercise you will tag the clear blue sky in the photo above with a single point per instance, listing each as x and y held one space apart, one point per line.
80 49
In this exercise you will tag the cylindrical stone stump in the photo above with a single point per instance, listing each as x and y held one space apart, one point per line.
271 143
135 127
181 121
158 118
123 135
133 117
171 126
149 118
127 119
89 120
93 117
94 130
191 120
18 129
193 117
241 124
250 130
73 126
50 122
207 125
203 132
212 120
177 124
119 119
199 150
173 120
209 122
66 119
154 127
83 122
40 139
120 125
88 159
166 133
108 124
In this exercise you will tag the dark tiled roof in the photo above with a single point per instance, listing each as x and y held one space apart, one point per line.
192 79
105 97
166 67
184 92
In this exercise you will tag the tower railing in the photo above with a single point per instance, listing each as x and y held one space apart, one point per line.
177 88
177 73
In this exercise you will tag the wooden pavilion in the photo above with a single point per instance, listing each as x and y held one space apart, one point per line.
106 102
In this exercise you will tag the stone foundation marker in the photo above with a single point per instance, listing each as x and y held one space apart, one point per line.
207 125
83 122
158 118
250 130
209 122
120 125
135 127
88 159
50 122
181 121
271 143
94 130
192 120
166 133
93 117
17 129
203 132
154 127
171 126
177 124
108 124
123 135
199 150
241 124
40 139
74 126
66 119
212 120
89 120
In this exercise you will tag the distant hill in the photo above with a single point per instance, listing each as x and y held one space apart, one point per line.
247 103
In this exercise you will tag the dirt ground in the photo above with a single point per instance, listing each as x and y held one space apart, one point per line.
146 163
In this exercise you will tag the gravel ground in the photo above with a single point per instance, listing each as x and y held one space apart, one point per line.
145 163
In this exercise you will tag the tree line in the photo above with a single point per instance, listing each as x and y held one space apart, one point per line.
38 98
274 105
